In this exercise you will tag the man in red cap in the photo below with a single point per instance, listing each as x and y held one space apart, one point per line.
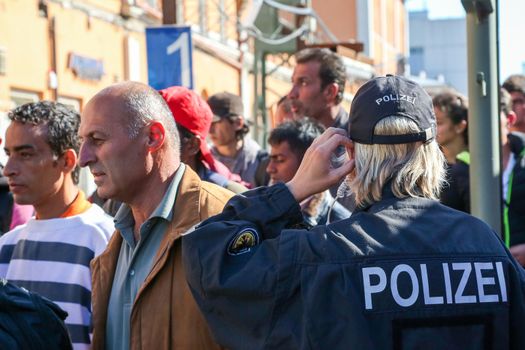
193 117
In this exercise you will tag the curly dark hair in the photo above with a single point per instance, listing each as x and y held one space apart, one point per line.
298 133
62 125
332 69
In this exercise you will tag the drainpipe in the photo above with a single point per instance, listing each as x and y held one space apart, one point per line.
52 75
169 11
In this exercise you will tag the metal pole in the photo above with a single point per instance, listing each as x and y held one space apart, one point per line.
483 91
256 75
262 106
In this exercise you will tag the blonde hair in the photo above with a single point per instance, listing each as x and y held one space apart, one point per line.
414 169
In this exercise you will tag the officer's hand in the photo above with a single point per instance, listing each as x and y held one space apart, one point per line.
518 252
316 174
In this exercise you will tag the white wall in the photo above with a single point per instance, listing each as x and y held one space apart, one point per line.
444 44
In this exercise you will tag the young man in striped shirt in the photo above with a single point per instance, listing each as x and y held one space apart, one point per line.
50 254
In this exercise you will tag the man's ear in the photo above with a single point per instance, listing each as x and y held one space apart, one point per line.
70 158
238 122
461 126
511 118
331 91
156 136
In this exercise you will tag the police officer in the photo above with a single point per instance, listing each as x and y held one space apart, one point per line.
403 272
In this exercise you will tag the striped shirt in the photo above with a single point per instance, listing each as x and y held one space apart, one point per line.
51 257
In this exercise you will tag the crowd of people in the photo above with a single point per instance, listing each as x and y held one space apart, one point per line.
198 238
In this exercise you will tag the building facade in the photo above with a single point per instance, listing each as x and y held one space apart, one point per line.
438 49
68 50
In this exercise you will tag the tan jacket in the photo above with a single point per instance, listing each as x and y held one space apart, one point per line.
164 314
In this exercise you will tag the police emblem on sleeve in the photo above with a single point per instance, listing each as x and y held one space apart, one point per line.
243 241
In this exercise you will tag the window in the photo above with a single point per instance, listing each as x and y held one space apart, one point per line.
132 59
203 18
20 97
417 60
70 102
150 8
4 123
152 3
3 57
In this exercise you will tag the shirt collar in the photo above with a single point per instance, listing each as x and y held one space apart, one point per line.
124 217
79 205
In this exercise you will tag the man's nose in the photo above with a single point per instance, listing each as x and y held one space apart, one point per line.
85 156
11 167
293 93
270 168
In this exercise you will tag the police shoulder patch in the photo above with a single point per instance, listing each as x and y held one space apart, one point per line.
243 241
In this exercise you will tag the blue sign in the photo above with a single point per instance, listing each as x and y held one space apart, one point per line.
85 67
169 57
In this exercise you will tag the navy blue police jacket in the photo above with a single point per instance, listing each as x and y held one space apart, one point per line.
401 274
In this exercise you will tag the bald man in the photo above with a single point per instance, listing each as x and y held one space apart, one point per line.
140 297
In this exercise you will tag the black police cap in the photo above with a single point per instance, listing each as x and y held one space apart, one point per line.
387 96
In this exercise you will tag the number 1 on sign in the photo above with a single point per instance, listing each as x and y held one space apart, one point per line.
182 44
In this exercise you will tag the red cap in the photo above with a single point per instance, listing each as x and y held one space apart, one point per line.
189 110
193 113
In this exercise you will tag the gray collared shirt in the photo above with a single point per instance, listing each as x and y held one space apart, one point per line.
135 262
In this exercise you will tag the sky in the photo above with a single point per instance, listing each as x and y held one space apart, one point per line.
511 28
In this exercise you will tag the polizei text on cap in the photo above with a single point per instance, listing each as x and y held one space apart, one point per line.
396 97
